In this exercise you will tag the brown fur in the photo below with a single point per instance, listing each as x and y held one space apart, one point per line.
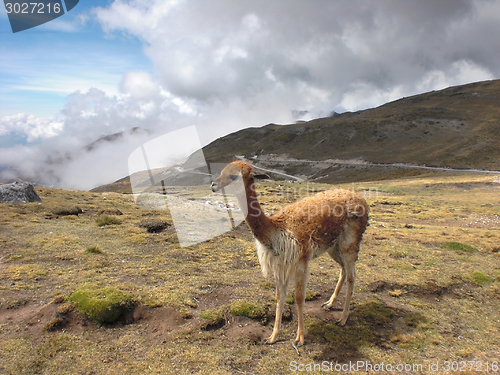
332 221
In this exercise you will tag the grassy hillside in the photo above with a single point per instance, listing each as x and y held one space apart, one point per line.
457 127
428 286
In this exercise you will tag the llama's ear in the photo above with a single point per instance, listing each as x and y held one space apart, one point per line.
260 176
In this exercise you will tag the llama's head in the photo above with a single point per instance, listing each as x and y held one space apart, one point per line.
235 172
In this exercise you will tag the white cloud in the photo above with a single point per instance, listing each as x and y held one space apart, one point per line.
67 24
365 95
30 126
223 50
139 85
468 71
456 74
135 16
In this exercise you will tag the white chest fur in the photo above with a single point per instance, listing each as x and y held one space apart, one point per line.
278 257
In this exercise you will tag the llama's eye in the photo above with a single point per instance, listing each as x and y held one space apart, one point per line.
233 177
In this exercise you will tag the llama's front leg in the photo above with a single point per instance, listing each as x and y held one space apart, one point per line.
280 302
301 276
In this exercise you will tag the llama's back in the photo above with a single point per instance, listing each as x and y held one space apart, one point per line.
323 216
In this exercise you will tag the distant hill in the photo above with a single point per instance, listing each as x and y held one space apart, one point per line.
458 127
114 137
49 163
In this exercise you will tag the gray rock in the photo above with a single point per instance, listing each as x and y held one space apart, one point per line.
18 192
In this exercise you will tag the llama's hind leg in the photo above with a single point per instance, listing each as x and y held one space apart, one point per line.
349 241
335 254
328 304
350 270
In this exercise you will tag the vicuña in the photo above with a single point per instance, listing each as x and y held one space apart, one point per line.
332 221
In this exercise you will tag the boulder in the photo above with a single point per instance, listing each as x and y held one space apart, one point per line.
18 192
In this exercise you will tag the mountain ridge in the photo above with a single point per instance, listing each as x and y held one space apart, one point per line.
456 127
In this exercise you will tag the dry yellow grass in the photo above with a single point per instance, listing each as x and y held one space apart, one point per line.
416 302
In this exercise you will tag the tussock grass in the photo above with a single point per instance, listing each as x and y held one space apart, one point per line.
110 211
250 309
107 220
459 247
53 325
24 272
214 318
154 226
93 249
102 305
311 295
480 278
67 211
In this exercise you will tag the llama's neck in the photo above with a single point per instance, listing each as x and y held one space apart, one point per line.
258 222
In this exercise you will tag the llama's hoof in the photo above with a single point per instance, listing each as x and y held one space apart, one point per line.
299 341
270 340
326 306
341 322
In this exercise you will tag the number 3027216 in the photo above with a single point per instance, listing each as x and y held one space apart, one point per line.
33 8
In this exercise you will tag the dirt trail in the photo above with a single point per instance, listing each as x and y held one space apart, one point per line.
281 160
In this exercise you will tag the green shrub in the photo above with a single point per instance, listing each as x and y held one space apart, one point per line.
459 247
104 220
251 310
102 305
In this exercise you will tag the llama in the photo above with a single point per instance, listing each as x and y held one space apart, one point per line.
331 221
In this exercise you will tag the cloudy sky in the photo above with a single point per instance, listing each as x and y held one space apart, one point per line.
221 65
